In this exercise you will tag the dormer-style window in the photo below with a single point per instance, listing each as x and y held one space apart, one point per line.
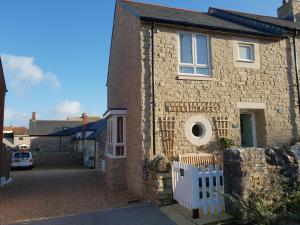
246 52
194 54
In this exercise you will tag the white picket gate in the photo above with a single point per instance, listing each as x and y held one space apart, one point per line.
198 189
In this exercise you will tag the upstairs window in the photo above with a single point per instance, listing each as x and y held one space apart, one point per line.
194 54
246 52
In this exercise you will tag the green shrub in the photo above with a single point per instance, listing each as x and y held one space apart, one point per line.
293 206
265 206
226 143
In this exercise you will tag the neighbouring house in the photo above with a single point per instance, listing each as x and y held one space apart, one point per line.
4 155
52 141
14 137
90 140
180 80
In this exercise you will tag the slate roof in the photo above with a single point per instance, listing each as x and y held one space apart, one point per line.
52 127
100 127
287 24
209 21
97 127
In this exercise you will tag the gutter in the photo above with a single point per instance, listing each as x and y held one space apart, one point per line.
296 67
211 28
153 88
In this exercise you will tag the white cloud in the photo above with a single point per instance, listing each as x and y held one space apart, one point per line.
53 80
21 71
67 108
12 117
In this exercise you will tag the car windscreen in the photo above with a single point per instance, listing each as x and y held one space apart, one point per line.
25 155
17 155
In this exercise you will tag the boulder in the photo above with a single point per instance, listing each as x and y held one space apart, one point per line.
295 149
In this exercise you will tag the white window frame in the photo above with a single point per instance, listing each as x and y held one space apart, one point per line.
195 65
252 47
112 136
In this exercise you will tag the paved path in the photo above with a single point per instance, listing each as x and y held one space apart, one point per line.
138 215
54 193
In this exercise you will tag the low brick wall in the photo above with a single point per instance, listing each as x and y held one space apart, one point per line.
57 159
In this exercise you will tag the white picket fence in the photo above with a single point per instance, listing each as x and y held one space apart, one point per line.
199 189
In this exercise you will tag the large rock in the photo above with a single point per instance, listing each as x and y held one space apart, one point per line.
284 160
295 149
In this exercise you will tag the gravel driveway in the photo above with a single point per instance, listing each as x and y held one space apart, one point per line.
48 193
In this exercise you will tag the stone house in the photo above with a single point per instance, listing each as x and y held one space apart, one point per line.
91 140
180 80
13 137
4 155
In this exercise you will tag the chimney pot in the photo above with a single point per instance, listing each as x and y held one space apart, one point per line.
33 116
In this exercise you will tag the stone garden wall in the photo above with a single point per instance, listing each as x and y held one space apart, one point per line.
251 169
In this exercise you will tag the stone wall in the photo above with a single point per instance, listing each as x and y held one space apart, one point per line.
52 143
115 174
272 84
51 151
241 167
57 159
101 144
158 188
124 91
249 170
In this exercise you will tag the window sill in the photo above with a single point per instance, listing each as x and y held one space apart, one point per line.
245 61
114 157
191 77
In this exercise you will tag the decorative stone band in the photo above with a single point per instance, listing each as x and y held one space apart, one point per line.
208 107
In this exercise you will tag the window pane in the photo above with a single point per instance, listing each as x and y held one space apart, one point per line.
203 71
246 52
186 51
110 149
186 69
120 130
119 150
202 50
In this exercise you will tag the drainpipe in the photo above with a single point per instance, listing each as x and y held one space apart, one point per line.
153 89
296 67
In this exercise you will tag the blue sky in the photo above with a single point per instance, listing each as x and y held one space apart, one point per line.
55 52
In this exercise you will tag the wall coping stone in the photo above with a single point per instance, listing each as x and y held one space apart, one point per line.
237 154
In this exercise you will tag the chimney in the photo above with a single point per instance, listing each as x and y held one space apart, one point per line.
33 116
84 120
290 10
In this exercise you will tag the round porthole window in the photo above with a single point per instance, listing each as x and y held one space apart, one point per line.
198 130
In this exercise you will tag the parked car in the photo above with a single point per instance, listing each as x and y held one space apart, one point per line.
21 160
